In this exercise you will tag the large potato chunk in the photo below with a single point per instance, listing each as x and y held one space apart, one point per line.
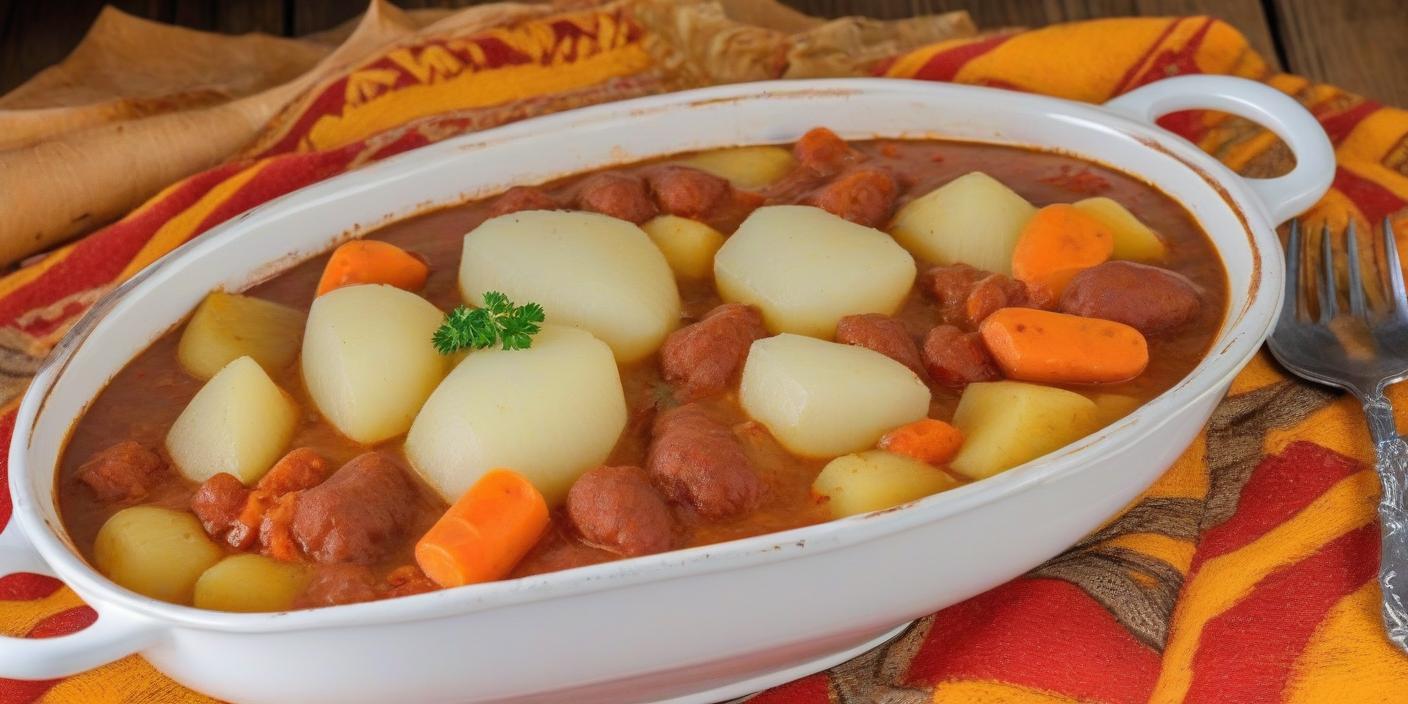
823 399
238 423
1133 239
877 480
973 219
550 413
590 271
155 551
1006 423
228 326
745 167
806 269
368 361
250 583
688 245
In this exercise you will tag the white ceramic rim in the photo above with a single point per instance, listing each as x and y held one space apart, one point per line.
1255 202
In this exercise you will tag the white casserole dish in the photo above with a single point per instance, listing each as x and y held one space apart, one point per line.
694 625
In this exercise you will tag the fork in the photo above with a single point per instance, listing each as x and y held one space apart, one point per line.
1361 350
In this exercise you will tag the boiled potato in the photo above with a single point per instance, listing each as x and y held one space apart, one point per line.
1112 407
228 326
250 583
1006 423
239 423
876 480
1133 239
550 412
823 399
587 270
745 167
154 551
806 269
973 219
688 245
368 361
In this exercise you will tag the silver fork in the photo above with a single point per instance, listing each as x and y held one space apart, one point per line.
1361 350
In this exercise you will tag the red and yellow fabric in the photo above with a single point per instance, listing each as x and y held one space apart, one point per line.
1246 574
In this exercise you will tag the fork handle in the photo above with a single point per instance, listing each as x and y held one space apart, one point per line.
1392 466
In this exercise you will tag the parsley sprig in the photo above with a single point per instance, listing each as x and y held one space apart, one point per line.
498 321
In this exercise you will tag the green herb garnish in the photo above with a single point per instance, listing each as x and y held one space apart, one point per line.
498 321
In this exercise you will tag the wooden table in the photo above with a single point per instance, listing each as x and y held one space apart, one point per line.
1361 45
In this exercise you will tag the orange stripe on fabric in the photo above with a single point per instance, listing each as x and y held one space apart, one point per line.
991 692
33 271
1372 138
1187 478
131 679
1177 553
909 64
1224 580
178 229
1347 659
19 617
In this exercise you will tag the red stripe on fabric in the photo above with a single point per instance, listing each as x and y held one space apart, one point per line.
7 431
27 586
101 256
812 689
1339 125
1372 199
329 102
23 691
64 622
281 175
1030 632
412 138
1247 654
1280 486
946 64
1126 81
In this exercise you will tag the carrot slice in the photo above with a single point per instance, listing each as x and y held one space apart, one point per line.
928 440
485 533
1056 244
1038 345
373 262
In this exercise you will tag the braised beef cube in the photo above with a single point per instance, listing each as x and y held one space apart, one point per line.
521 198
821 151
882 334
218 503
617 508
687 192
334 585
697 461
956 358
1147 298
618 195
125 472
706 357
357 515
864 196
301 468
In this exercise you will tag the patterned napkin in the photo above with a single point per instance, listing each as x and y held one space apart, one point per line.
1246 574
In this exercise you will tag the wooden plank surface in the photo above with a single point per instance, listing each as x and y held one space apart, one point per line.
1359 45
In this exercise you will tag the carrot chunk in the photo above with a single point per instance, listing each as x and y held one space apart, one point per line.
373 262
1041 346
1056 244
485 533
928 440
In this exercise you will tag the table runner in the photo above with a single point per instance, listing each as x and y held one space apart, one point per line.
1247 573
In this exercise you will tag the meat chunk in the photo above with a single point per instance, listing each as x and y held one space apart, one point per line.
969 295
950 284
301 468
124 472
993 293
618 195
276 527
358 514
686 192
705 358
521 198
956 358
617 509
882 334
697 461
865 196
1144 297
733 209
822 152
218 503
334 585
407 580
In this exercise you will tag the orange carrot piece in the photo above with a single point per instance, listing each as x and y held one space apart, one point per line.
1042 346
1056 244
928 440
373 262
485 533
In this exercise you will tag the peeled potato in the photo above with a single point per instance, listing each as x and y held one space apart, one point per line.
745 167
238 423
250 583
228 326
1133 239
688 245
154 551
973 219
587 270
877 480
806 269
550 413
823 399
368 361
1007 423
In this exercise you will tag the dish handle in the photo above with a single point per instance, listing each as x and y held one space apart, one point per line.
1284 197
116 634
